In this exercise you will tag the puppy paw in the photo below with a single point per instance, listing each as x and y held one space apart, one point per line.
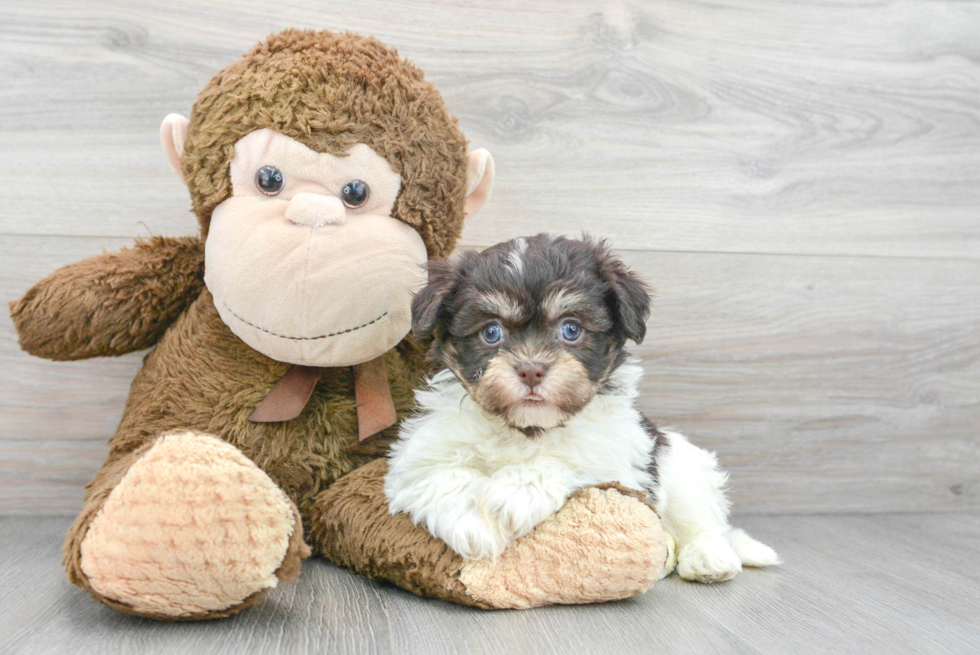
517 499
708 558
750 551
517 508
473 538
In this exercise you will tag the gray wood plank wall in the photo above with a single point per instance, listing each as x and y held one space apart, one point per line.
800 181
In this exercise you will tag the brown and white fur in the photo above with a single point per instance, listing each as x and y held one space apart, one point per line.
537 400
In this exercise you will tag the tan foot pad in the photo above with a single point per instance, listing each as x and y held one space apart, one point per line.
602 545
193 528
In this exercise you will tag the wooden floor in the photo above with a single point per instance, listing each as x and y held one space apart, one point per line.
894 583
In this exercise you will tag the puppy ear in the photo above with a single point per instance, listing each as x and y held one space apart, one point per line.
427 305
630 297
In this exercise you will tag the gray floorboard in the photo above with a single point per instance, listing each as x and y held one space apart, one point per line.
895 583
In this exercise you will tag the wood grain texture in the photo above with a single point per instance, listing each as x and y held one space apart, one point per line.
764 126
898 584
825 384
797 179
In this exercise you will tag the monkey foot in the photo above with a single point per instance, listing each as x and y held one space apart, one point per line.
604 544
193 530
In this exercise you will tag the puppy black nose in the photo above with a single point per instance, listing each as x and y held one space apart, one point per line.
531 373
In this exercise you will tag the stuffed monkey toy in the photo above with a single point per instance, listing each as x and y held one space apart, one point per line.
324 172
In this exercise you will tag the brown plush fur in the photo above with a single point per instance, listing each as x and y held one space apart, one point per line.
201 377
352 524
327 91
111 304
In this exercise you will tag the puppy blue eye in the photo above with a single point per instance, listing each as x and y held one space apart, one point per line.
570 331
492 333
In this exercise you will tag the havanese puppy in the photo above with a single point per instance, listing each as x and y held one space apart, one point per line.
536 400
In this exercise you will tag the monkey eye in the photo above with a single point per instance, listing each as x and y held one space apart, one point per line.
570 331
355 193
269 180
492 334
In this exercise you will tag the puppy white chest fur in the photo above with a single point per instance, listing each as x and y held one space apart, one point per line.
478 484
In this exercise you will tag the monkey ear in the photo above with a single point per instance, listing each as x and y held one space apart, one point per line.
630 300
479 181
428 303
173 135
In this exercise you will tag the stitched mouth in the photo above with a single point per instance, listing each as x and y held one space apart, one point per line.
322 336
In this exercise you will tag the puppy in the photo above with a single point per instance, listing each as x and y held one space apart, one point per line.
536 400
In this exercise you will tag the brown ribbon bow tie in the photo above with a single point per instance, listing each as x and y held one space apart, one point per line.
375 408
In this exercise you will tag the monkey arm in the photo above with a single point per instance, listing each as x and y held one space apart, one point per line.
113 303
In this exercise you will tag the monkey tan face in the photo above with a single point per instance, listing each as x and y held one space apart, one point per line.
304 260
321 182
532 327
